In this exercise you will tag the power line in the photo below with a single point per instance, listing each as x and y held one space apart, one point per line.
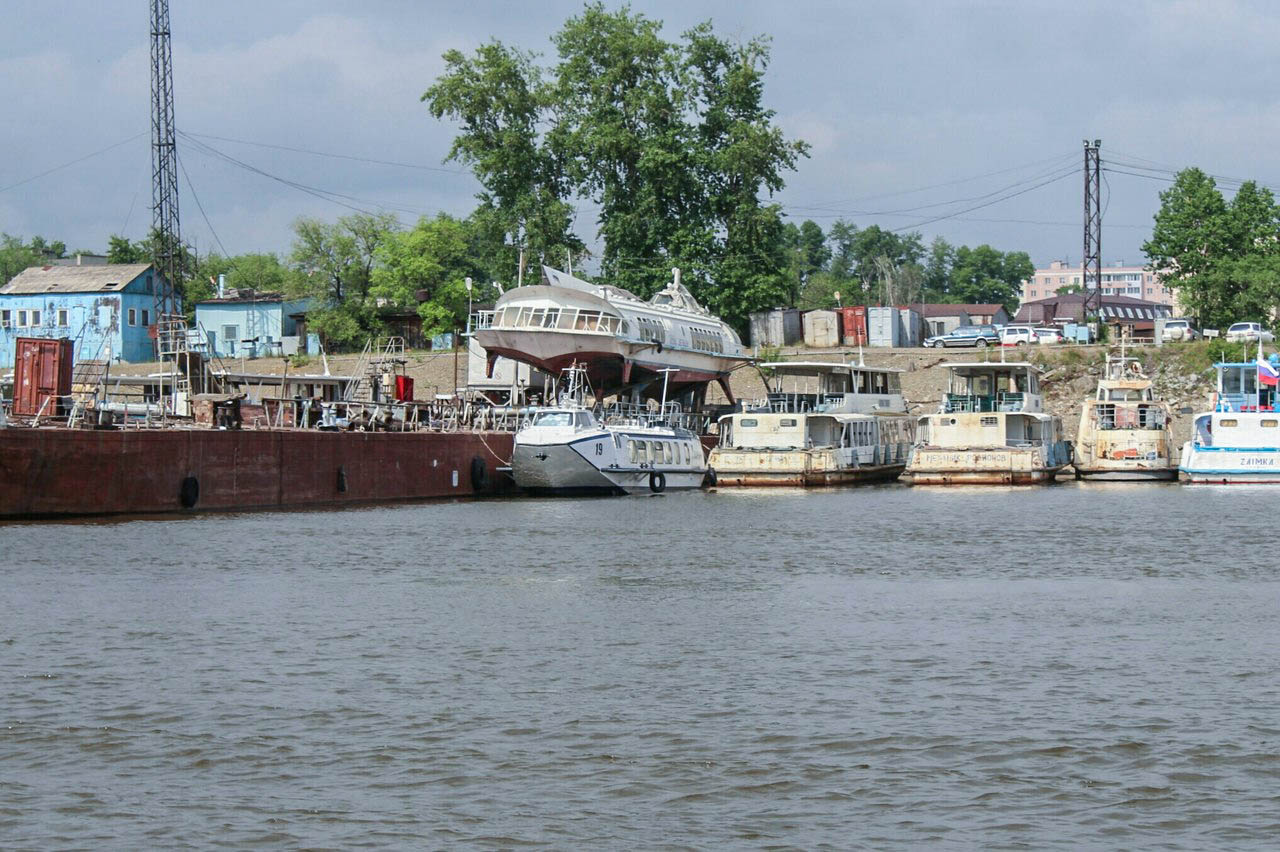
351 157
73 162
987 203
200 207
829 205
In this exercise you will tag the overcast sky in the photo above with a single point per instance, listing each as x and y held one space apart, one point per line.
910 107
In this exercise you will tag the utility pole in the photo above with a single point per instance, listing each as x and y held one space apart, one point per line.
165 227
1091 262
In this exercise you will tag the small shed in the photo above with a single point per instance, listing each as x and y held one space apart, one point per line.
821 329
248 323
778 327
884 327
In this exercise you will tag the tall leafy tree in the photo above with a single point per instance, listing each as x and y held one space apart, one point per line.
1217 256
937 271
985 275
502 103
16 255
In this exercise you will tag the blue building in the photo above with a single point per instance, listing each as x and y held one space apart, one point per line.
106 309
248 324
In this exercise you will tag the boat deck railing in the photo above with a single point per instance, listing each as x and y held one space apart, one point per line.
1243 402
1112 417
976 403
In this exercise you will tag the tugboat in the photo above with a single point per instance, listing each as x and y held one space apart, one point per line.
569 448
1238 440
1124 430
822 423
990 430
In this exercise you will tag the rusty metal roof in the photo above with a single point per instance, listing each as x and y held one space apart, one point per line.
110 278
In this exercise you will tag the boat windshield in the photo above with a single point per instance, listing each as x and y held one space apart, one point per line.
554 418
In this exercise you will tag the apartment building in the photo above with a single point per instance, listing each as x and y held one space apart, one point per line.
1136 282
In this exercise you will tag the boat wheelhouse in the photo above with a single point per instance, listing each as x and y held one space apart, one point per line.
990 429
628 448
1238 440
821 424
628 347
1125 431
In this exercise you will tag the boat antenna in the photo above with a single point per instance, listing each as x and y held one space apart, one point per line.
861 363
666 376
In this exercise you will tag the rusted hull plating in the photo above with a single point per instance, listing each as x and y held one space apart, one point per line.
792 479
61 472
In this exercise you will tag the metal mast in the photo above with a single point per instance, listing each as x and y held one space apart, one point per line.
1091 263
166 231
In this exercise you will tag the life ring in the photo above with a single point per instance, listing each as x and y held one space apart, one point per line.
709 479
479 475
657 481
189 492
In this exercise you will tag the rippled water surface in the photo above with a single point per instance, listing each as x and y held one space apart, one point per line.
1071 667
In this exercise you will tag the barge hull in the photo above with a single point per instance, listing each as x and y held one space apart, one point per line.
791 479
53 472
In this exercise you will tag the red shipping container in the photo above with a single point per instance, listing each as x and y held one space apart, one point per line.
41 369
404 388
853 325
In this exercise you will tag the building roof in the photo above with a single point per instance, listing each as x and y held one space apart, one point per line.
1071 306
951 310
110 278
234 296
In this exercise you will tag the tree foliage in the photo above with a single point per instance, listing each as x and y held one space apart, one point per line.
671 140
1220 258
425 268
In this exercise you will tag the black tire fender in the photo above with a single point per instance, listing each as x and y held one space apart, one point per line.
657 481
189 492
479 475
709 480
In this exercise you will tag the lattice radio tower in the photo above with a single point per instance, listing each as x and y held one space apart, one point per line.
1091 267
166 230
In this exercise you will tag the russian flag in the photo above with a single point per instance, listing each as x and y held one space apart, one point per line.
1267 374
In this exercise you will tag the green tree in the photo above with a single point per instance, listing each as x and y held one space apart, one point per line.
500 100
424 268
15 256
984 275
807 253
122 250
936 275
1216 256
334 266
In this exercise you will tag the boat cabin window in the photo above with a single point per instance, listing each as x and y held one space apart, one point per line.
1227 424
554 418
1268 424
787 421
582 420
748 423
1126 395
1240 380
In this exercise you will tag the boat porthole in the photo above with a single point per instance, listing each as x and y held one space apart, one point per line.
189 492
657 481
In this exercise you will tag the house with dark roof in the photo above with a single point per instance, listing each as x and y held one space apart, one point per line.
107 310
1138 316
940 319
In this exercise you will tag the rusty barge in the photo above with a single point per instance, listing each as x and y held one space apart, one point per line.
70 449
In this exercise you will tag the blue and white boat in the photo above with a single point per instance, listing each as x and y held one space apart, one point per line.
1239 440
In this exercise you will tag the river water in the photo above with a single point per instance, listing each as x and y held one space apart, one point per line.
1076 666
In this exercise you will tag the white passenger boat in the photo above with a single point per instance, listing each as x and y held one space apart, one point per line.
1238 441
991 429
1125 431
628 346
569 448
821 424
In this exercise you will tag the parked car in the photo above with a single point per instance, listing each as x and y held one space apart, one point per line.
1017 335
1049 335
966 335
1248 332
1178 329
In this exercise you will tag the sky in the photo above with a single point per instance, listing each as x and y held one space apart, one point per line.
964 120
